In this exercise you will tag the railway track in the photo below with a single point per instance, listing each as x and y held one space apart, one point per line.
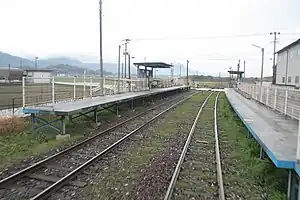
198 173
43 178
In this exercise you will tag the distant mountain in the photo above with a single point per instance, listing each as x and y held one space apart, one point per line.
56 62
72 70
14 61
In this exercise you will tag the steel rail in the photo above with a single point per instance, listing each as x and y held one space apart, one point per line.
18 175
217 149
169 192
57 185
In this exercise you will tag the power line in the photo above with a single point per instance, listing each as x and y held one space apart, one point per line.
204 37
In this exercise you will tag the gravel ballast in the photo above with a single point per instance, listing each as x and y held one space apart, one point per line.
141 168
66 161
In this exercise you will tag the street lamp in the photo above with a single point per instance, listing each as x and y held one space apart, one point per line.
119 61
262 68
36 58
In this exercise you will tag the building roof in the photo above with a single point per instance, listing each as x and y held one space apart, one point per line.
153 64
38 70
235 72
10 69
289 46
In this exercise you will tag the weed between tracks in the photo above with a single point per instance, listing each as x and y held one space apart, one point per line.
145 166
245 175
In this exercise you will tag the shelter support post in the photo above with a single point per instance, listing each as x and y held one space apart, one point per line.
293 186
63 125
262 154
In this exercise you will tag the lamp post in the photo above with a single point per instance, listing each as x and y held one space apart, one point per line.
119 61
262 68
35 63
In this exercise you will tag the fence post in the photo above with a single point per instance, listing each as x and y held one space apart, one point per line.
74 95
23 91
84 85
285 101
275 98
53 92
261 93
267 99
115 87
298 142
130 85
13 106
91 88
103 86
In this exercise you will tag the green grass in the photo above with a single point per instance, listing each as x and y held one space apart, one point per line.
200 84
36 93
15 146
249 176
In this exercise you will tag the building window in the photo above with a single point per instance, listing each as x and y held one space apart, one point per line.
296 79
289 79
283 79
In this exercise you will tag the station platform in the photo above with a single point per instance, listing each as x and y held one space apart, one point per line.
84 107
276 134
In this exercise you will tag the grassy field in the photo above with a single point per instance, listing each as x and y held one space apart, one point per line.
201 84
12 94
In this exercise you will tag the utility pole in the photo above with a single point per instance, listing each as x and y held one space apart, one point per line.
35 63
274 53
101 58
238 66
125 61
129 75
238 75
262 66
119 66
187 72
180 70
9 73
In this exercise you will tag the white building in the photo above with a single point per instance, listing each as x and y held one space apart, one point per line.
38 75
288 65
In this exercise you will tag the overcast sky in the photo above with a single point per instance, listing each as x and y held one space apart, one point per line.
162 30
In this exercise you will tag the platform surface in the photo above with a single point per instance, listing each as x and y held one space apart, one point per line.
276 134
67 108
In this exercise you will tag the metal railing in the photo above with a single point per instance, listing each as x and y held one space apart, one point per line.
283 100
48 91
